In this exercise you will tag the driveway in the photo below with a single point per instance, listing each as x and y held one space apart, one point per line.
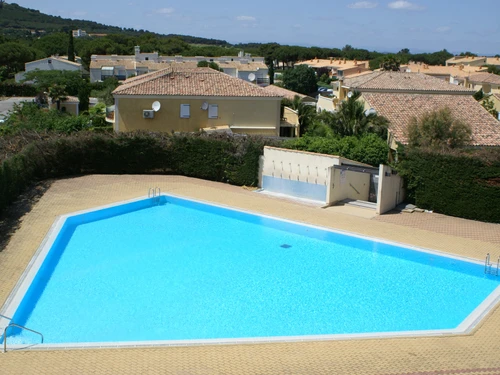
7 104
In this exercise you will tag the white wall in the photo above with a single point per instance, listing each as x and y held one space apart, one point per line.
310 175
346 184
54 65
297 165
390 190
325 103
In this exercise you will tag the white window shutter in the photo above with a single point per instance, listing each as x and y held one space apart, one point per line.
213 111
185 110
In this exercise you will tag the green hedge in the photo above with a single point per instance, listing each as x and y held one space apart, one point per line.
465 185
224 158
369 149
14 89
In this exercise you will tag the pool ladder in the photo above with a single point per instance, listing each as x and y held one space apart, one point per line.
154 193
18 326
489 268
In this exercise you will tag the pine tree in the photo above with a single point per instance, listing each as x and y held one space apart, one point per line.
71 47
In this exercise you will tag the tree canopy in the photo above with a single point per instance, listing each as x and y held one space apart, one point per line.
438 130
301 79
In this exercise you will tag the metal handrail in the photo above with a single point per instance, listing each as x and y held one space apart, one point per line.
15 325
486 263
488 266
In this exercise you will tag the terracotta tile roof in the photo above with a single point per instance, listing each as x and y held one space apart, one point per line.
453 70
485 78
403 82
493 60
289 94
399 109
191 82
465 59
71 99
333 63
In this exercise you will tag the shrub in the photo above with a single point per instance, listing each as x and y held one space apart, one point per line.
224 158
439 130
369 149
464 184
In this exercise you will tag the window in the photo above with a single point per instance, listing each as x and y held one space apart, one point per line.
213 111
185 110
147 58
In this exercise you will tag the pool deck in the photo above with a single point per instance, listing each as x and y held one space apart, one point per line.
475 353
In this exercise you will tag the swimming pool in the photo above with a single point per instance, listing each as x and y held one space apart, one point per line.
182 271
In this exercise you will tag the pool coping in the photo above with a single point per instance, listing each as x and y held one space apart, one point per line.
17 294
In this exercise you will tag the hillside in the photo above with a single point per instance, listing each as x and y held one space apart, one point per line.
16 21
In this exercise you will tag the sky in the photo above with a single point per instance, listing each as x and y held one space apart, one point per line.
381 25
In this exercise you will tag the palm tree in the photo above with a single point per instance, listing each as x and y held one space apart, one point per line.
305 112
352 119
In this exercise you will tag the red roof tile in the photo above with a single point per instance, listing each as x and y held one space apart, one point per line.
399 109
403 82
191 82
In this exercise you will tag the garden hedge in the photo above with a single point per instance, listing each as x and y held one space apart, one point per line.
465 184
224 158
15 89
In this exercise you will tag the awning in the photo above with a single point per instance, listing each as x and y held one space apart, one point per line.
111 68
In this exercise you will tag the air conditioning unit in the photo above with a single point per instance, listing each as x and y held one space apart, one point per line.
148 113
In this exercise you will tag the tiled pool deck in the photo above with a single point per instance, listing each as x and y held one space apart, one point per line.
476 353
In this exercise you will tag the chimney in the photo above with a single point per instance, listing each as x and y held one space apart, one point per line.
341 90
137 50
331 59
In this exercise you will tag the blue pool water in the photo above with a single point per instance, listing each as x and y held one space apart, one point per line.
186 270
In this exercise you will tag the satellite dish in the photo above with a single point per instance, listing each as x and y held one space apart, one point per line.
349 94
251 77
204 106
156 106
370 111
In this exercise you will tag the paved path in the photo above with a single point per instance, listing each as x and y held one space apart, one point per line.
473 354
8 103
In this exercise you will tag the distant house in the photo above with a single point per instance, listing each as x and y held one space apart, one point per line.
244 66
488 82
50 63
401 96
338 68
455 74
71 104
194 99
79 33
473 61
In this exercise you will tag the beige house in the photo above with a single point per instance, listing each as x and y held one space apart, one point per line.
244 66
188 100
495 99
455 74
402 96
337 67
473 61
68 105
488 82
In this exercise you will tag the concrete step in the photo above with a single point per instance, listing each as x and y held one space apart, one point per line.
358 203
